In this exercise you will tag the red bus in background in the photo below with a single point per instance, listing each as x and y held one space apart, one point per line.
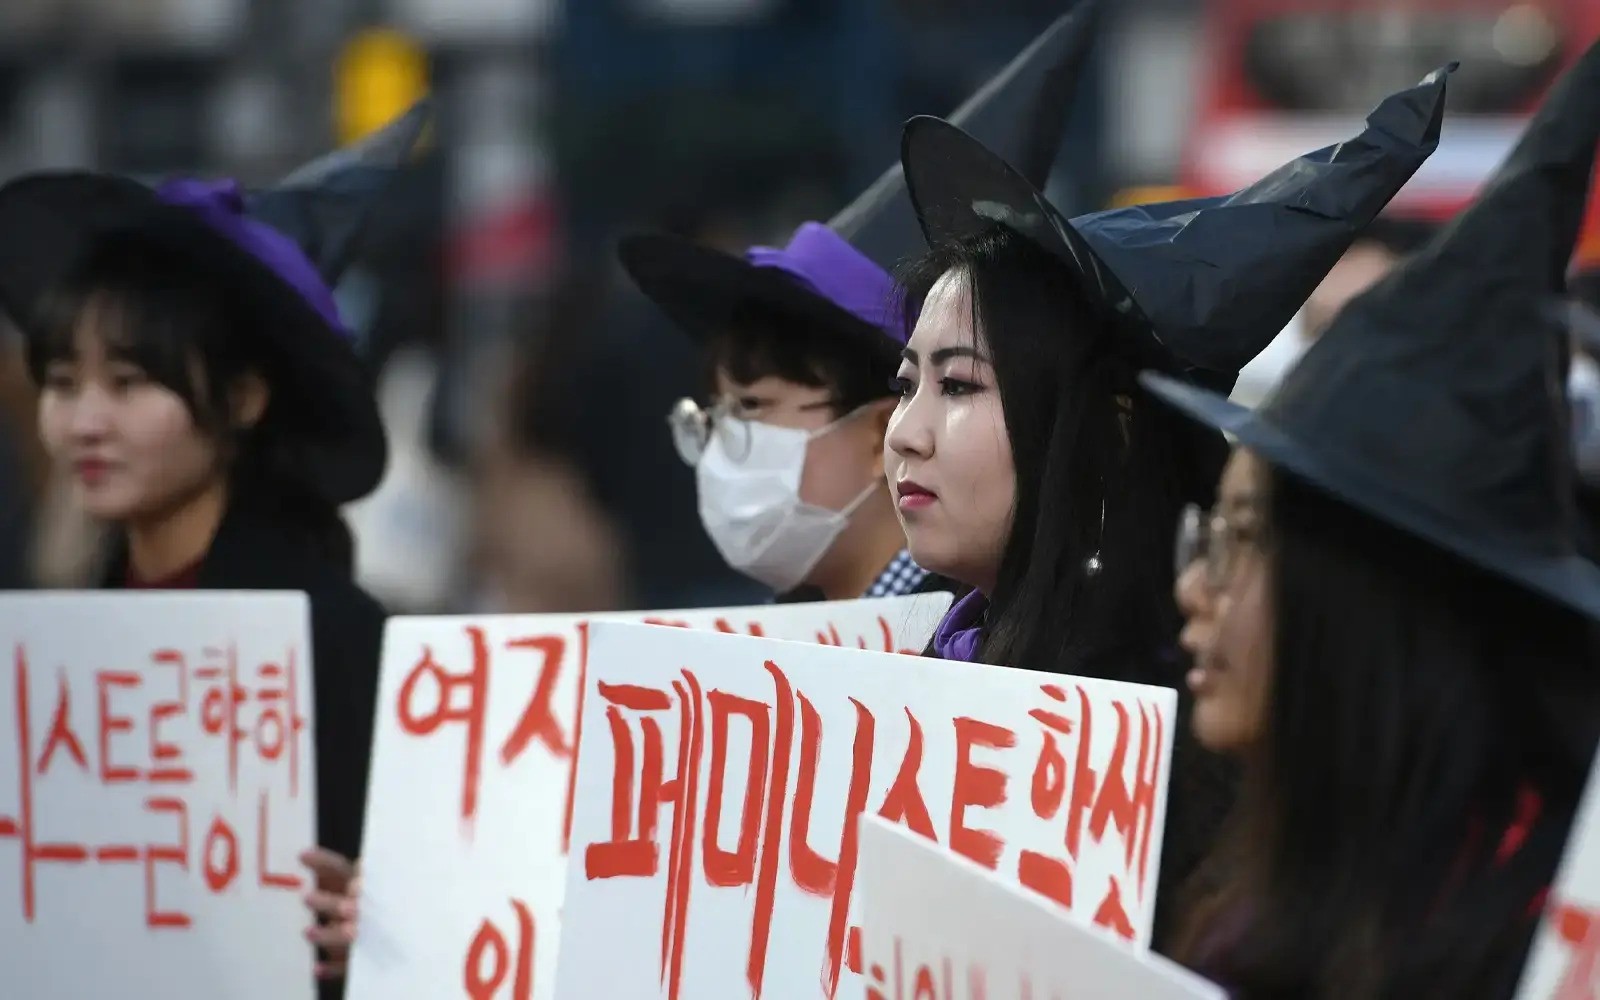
1279 77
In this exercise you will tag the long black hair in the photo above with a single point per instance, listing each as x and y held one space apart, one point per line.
1430 731
161 311
1103 472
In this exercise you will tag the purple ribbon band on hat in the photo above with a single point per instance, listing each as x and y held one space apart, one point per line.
220 205
826 263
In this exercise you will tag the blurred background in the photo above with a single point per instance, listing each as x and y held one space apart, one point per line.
525 381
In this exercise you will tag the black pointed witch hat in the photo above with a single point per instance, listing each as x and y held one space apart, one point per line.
326 205
1436 400
51 222
835 277
1201 285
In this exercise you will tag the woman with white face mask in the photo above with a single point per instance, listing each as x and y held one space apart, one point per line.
788 449
801 343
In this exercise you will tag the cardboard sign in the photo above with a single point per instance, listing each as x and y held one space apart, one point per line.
156 787
720 781
936 925
1564 961
464 864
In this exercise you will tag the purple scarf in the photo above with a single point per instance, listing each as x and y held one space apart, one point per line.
958 635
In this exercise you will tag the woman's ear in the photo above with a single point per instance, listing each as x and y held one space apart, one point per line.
247 402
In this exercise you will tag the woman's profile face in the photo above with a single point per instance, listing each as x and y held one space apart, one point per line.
129 444
1225 598
946 454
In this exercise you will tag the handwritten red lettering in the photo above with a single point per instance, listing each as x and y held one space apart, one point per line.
538 720
475 684
983 787
736 867
489 944
105 680
170 854
904 803
1104 801
220 872
164 755
577 735
61 734
1579 928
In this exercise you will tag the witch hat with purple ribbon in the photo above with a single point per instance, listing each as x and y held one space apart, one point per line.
835 278
279 249
1436 400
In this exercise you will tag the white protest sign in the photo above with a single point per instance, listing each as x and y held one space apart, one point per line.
1564 961
157 784
720 779
464 861
936 925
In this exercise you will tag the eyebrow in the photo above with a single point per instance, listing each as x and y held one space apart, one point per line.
944 354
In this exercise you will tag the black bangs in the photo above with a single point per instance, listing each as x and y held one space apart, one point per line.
153 306
766 342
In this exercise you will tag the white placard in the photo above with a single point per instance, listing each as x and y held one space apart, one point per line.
157 783
934 924
1564 961
464 861
720 778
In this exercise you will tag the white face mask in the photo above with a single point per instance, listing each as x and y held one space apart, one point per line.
749 484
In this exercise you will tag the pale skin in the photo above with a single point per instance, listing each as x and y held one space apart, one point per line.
1228 617
840 464
138 459
947 455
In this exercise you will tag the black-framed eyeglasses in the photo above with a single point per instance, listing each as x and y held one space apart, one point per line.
1214 539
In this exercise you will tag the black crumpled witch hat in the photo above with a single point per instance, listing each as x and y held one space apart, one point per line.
1202 285
326 205
1436 401
280 249
836 277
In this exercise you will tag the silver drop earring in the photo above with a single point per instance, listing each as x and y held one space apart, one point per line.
1093 565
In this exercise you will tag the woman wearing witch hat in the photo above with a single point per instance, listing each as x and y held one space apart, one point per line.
1392 626
197 381
801 343
1028 463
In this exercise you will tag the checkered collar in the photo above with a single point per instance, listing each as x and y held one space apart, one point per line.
900 577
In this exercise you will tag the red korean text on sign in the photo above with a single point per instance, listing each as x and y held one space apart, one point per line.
494 961
1578 927
640 786
432 695
1097 800
113 758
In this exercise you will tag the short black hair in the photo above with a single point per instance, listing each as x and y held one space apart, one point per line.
852 359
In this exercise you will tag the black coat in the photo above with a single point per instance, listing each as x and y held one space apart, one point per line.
251 552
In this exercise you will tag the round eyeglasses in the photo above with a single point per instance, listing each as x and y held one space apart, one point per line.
1209 537
693 426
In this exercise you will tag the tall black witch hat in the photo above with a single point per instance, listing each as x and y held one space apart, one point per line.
51 222
835 277
1436 400
1201 285
326 205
